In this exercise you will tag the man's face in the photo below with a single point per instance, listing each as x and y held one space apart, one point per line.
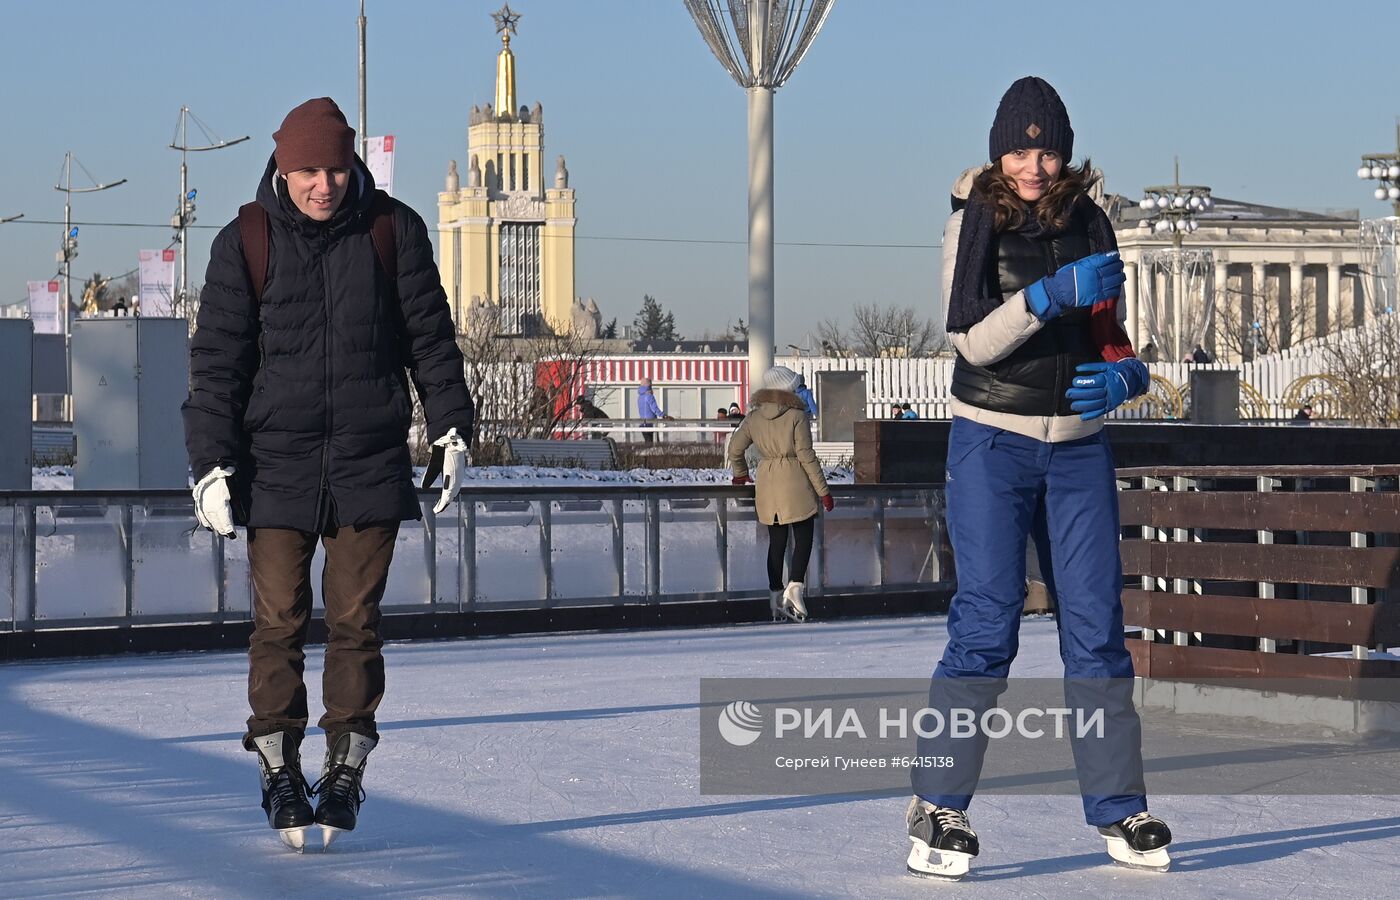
318 192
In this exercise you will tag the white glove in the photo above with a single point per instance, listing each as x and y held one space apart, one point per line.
212 505
454 463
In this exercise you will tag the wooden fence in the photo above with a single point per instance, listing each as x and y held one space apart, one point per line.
1263 572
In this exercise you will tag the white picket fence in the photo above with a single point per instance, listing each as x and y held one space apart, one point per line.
1270 388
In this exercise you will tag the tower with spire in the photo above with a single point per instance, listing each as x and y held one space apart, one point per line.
507 233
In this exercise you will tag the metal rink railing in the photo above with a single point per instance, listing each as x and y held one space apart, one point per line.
89 559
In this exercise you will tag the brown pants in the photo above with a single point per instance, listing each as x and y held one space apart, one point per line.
352 584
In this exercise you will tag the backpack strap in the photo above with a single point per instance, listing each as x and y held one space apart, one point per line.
381 232
252 228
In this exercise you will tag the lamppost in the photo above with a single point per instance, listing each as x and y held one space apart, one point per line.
1379 237
1171 209
360 24
1384 168
184 210
67 249
760 43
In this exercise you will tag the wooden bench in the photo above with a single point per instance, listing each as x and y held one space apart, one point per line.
585 453
1263 572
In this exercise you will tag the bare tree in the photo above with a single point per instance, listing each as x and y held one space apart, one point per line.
1250 325
521 386
1363 365
882 331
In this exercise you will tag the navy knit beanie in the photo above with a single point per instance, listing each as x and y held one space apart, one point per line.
1031 115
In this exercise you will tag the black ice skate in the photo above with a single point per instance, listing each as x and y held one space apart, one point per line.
284 790
1139 841
339 790
944 842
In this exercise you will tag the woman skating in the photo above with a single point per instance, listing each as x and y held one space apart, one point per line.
1031 278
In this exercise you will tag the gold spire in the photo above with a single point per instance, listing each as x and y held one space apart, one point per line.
505 62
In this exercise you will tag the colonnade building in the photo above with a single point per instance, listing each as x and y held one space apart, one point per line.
1252 279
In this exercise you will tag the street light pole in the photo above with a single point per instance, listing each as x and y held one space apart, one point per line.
1383 168
364 129
1173 208
759 43
184 210
68 248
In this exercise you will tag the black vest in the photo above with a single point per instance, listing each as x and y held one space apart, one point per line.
1032 380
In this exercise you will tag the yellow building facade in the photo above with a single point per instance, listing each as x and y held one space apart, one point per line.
507 239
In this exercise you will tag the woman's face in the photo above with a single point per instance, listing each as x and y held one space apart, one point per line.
1033 171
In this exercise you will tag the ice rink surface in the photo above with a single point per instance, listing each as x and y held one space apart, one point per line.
566 766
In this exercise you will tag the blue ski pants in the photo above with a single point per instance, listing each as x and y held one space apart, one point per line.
1001 488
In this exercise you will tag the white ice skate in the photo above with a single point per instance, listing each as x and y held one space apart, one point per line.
1139 842
944 842
793 606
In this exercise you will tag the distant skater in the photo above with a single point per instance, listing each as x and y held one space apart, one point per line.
790 490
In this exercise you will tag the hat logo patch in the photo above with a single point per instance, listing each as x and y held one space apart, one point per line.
1033 131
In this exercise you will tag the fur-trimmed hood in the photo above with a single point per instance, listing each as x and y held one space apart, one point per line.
777 402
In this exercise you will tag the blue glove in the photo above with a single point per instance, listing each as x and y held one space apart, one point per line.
1083 282
1101 387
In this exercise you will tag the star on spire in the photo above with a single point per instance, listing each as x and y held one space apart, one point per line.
505 20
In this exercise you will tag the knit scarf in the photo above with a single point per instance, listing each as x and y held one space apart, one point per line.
971 301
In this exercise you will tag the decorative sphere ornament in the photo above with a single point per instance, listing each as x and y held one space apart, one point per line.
1393 172
1393 193
1380 193
1161 202
1146 203
1363 172
1377 172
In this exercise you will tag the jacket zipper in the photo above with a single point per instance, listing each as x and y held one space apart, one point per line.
324 487
1061 361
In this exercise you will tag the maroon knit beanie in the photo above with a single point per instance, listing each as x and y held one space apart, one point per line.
315 135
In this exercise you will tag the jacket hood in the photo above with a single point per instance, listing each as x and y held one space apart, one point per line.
962 185
358 199
771 403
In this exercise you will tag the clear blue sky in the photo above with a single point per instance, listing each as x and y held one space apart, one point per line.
1272 102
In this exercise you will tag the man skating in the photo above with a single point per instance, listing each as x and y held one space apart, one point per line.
317 299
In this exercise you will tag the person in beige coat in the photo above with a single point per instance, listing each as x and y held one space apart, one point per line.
789 490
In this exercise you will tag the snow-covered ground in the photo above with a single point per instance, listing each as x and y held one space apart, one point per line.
60 478
566 766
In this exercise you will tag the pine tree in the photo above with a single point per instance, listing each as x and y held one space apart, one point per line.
653 324
610 330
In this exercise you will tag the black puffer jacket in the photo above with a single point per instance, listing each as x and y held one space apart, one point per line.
1032 379
305 393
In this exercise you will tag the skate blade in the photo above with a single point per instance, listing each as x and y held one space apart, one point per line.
294 838
794 615
926 862
328 836
1151 861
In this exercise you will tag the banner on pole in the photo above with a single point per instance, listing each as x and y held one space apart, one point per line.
44 307
156 276
381 162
